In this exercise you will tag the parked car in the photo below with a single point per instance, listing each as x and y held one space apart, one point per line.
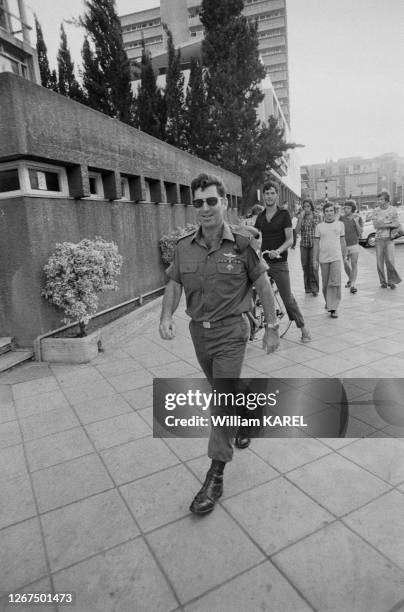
368 235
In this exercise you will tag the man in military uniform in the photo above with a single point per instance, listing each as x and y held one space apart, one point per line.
217 267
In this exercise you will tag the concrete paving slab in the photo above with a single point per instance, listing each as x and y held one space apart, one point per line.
86 527
57 448
193 567
335 570
384 458
35 387
12 461
22 558
139 398
262 514
338 485
70 481
41 586
122 579
101 408
43 402
9 434
136 459
161 498
380 523
285 454
47 423
117 430
88 391
261 588
17 501
7 412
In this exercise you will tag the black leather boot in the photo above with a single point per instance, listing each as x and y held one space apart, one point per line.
242 438
212 489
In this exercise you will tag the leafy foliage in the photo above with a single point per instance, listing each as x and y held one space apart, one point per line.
150 103
196 112
77 273
67 82
48 78
106 74
174 96
168 241
233 74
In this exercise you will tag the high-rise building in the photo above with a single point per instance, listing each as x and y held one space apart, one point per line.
182 17
16 53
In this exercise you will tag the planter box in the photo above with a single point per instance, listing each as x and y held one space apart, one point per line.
70 350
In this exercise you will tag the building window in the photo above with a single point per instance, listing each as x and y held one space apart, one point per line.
125 191
96 186
9 180
3 16
42 180
29 178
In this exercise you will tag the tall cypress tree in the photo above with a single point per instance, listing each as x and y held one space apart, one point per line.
197 112
150 104
67 82
174 96
109 64
48 78
234 71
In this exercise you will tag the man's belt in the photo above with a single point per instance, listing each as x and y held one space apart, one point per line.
220 322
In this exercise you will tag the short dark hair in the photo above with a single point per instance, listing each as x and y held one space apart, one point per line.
384 194
328 205
271 185
202 181
309 201
352 204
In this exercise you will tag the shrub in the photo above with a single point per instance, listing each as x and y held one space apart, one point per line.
77 273
168 241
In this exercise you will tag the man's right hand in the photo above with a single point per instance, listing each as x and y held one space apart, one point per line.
315 264
167 329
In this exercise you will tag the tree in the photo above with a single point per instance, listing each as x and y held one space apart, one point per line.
150 103
174 96
48 78
269 147
234 71
67 83
108 83
196 112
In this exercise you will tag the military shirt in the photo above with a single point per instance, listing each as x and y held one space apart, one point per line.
217 281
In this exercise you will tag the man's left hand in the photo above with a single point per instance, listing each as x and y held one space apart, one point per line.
270 341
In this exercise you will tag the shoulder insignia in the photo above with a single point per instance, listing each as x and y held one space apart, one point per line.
187 235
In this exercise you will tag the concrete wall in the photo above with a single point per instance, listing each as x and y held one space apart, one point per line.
37 124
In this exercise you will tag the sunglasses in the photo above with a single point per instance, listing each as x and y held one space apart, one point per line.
198 203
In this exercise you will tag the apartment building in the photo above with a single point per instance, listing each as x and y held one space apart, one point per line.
356 177
16 53
182 17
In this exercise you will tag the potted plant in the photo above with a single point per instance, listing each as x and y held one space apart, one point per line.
76 275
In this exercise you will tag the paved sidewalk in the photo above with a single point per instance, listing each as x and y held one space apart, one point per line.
91 503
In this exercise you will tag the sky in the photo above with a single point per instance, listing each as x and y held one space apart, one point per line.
345 70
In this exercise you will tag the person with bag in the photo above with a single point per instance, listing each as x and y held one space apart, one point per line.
385 219
308 219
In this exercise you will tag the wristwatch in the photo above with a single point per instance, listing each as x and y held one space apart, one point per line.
274 326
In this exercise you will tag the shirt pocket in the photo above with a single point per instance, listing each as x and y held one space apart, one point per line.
189 275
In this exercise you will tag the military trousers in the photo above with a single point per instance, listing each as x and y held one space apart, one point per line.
220 352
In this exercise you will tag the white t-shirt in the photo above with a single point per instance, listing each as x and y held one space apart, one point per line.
330 243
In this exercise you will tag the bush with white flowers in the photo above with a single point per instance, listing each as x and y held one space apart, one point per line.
168 241
77 273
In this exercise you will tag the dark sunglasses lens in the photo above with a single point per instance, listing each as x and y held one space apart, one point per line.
198 203
212 201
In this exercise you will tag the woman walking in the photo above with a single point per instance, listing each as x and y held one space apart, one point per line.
306 224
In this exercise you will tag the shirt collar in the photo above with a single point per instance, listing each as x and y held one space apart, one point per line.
227 234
